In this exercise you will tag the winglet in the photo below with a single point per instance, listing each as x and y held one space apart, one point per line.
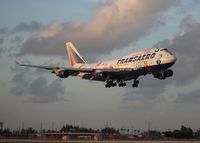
17 62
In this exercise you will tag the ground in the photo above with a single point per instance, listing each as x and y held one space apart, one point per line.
50 141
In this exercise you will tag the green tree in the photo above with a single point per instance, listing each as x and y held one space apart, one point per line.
183 133
168 134
109 130
197 134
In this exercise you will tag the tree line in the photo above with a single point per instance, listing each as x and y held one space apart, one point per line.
182 133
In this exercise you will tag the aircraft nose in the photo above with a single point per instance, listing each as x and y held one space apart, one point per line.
173 58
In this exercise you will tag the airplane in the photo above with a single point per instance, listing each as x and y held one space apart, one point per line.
155 61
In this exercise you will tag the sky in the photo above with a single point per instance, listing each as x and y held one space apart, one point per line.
36 32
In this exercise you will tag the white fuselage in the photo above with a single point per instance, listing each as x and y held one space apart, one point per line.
148 60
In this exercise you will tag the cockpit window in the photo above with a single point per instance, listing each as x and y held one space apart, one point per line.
166 51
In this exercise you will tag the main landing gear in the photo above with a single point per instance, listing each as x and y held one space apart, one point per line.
135 83
111 83
121 84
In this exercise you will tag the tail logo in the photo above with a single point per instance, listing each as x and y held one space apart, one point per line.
73 54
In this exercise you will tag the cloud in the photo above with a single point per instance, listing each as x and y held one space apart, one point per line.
192 97
43 92
3 30
22 27
27 27
20 83
9 45
114 25
11 39
1 41
185 45
17 40
40 90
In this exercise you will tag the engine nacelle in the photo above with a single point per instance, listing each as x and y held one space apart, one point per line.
168 73
159 76
163 75
101 75
63 74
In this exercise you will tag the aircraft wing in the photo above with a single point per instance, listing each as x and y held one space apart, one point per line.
64 72
107 70
70 69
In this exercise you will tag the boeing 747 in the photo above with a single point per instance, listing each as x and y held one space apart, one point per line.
156 61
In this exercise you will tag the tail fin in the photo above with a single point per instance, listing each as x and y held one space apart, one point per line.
74 56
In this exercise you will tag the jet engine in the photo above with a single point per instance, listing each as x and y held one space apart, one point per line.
163 75
60 73
63 74
101 75
168 73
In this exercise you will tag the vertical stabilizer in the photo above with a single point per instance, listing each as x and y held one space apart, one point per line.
74 56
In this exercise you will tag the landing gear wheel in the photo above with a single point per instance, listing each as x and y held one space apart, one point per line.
110 83
124 84
107 86
121 84
135 83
